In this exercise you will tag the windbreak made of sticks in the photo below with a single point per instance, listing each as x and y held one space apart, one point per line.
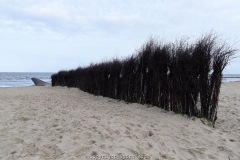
180 77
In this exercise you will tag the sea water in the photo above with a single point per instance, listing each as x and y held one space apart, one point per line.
231 77
18 79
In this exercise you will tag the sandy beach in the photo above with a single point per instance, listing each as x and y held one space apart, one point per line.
61 123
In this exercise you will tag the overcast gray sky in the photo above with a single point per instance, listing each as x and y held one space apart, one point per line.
51 35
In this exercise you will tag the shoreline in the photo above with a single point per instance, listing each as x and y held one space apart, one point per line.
50 84
45 122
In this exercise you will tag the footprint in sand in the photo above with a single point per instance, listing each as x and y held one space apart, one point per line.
23 119
117 132
150 133
211 157
221 148
144 134
86 135
94 153
232 140
147 145
102 146
99 136
75 137
131 151
81 151
18 140
59 136
127 132
29 150
128 128
90 142
52 151
76 124
139 126
55 125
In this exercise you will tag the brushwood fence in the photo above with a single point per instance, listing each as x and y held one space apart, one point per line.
180 77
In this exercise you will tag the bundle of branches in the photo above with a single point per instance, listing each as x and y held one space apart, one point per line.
174 76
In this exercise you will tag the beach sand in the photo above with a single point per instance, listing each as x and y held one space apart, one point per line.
61 123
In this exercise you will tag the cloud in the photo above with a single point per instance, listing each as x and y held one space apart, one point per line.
120 17
105 28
